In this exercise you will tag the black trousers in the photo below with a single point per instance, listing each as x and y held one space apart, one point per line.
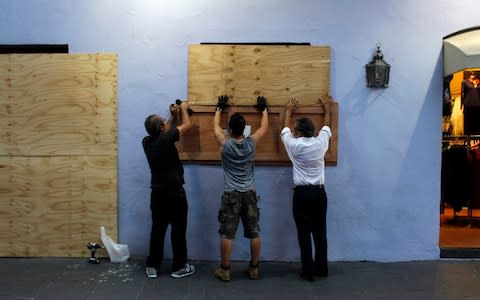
310 215
169 207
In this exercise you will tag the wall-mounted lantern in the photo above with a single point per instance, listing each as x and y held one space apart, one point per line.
378 71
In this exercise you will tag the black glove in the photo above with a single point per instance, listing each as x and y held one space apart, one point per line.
222 102
189 110
261 103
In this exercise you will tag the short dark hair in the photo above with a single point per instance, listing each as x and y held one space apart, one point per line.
152 124
236 124
306 126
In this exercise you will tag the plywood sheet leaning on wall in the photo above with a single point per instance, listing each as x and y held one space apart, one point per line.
58 104
58 152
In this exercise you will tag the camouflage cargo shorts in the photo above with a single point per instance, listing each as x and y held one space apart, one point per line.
235 206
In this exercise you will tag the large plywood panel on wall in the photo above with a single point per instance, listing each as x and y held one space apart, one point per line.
198 145
243 72
58 104
58 152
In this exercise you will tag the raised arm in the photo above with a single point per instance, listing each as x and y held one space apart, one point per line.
217 128
186 123
291 106
327 106
174 117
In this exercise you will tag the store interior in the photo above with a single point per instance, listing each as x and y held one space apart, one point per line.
460 177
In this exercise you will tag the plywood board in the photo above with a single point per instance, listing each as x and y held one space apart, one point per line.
199 145
58 104
246 71
55 205
58 152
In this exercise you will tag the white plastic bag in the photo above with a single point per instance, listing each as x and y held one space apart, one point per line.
117 252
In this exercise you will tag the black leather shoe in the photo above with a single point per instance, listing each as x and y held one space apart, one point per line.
321 273
307 277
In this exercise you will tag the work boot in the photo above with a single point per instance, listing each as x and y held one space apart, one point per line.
223 273
252 271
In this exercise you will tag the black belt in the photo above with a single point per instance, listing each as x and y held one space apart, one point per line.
310 186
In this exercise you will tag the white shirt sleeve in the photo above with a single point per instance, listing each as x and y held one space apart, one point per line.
326 132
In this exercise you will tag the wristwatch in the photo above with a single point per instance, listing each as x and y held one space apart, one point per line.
219 109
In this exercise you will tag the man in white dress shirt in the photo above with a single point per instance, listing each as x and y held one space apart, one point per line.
307 152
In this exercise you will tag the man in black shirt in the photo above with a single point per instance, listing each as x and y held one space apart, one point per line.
168 201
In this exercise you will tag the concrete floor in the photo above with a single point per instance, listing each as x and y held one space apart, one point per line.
59 278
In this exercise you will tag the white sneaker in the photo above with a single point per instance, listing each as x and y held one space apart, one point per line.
151 272
187 270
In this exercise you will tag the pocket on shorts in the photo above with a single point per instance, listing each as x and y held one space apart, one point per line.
221 216
228 199
255 198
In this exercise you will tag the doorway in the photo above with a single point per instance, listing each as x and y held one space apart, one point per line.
460 180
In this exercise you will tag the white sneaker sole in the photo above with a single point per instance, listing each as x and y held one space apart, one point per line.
151 275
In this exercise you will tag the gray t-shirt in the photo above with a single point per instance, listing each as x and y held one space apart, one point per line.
238 164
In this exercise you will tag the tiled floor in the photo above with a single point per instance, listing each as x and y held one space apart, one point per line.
56 278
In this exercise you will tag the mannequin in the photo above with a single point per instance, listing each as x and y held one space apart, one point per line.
471 103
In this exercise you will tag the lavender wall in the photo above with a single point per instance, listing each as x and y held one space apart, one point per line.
383 195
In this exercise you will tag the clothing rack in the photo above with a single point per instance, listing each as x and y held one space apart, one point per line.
461 140
465 136
469 142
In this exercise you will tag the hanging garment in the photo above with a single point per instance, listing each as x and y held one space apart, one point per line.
471 107
471 120
457 117
474 159
456 177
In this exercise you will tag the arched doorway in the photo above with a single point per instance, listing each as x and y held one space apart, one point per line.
460 203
